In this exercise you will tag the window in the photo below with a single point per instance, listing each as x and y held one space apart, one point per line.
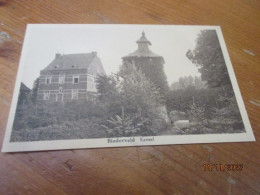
74 94
46 95
75 79
59 97
61 79
60 89
48 80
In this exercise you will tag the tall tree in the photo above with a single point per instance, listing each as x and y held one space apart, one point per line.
208 56
140 105
106 86
137 91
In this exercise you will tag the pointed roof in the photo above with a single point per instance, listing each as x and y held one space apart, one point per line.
143 39
24 87
143 49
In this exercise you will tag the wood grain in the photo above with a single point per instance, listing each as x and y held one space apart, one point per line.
175 169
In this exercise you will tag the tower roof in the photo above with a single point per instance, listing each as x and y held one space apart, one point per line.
143 49
143 39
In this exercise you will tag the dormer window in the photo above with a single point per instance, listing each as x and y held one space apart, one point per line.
48 80
75 79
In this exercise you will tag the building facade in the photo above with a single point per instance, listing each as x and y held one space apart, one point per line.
69 77
151 64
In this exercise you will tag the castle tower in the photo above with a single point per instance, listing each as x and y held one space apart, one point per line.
151 64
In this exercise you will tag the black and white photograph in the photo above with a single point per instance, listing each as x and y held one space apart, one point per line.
89 86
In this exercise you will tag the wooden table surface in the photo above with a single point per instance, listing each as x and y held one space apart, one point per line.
174 169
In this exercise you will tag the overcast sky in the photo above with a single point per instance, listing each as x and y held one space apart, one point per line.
111 42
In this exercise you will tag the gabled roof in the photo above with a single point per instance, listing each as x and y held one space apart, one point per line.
72 61
24 87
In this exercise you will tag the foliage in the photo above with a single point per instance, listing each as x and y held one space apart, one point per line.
106 86
123 126
40 115
154 71
221 114
229 113
140 100
197 114
137 90
213 108
188 82
181 99
208 56
80 129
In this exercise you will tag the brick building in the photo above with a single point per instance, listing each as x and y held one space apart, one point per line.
70 77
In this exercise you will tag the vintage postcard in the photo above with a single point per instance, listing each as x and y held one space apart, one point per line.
91 86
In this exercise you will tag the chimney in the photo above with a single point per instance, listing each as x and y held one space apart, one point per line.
57 55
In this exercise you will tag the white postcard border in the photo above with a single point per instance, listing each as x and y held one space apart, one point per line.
103 142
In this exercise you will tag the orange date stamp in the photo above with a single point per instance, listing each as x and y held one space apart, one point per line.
223 167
